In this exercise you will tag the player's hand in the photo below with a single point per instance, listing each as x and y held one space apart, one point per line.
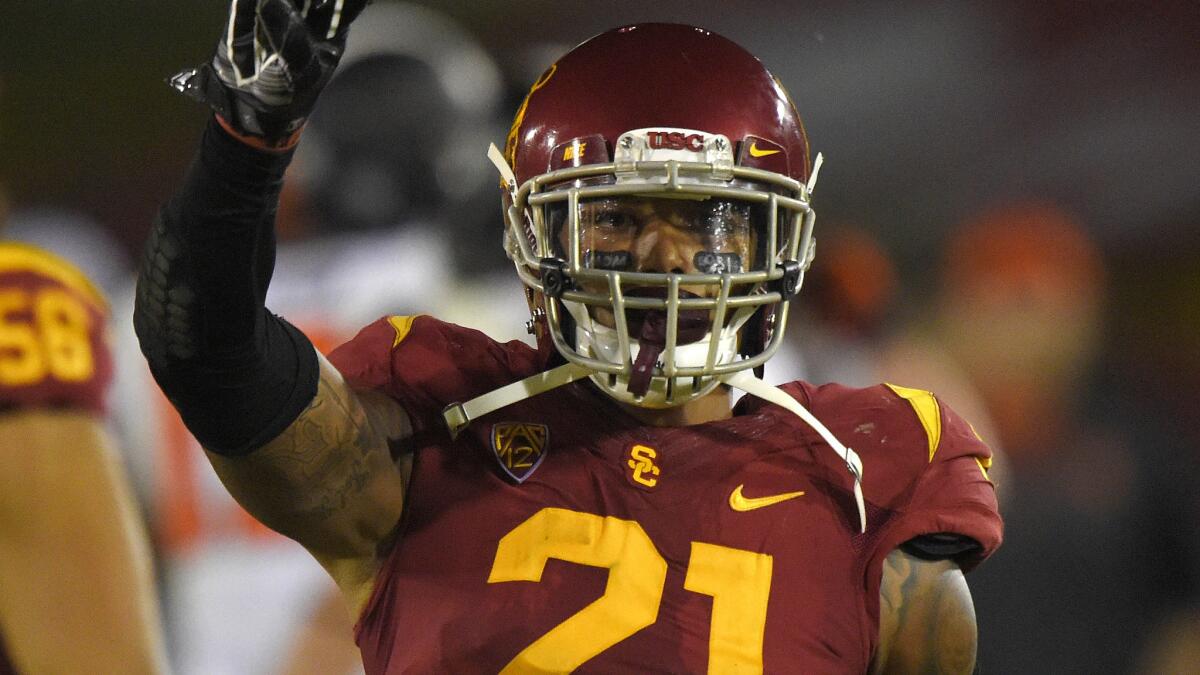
271 63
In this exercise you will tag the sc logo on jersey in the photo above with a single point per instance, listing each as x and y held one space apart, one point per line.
643 467
519 447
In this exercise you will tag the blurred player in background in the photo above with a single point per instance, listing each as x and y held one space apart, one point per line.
1023 294
549 535
76 588
1022 305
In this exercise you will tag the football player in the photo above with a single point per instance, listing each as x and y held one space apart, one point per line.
597 503
76 588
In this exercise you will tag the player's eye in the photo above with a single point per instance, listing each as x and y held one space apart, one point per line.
614 218
725 218
716 225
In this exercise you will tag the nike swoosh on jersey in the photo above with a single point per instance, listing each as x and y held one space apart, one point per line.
739 502
755 152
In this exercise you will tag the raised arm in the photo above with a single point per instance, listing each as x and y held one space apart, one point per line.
926 618
328 480
304 453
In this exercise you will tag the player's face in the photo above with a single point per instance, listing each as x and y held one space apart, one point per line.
665 236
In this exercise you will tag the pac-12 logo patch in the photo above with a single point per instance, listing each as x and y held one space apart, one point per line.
519 447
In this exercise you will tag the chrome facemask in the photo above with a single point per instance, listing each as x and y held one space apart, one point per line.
693 338
675 379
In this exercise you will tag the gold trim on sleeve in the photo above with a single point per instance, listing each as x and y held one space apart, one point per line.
925 404
402 324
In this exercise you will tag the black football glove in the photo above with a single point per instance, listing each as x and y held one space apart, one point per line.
271 64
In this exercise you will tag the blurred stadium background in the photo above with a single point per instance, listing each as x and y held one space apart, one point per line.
1009 214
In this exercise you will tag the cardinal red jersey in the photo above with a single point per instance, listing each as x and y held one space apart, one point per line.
560 534
53 347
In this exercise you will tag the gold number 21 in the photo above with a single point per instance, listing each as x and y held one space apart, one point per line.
739 582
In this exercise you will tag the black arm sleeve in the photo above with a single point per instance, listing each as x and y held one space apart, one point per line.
237 374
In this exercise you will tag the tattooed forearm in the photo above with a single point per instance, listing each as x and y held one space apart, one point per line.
927 619
328 480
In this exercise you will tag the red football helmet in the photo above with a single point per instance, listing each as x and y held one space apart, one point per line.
658 210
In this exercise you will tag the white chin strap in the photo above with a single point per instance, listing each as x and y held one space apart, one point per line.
459 415
496 157
747 382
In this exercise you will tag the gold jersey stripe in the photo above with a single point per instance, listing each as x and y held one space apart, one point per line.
402 324
19 257
928 412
